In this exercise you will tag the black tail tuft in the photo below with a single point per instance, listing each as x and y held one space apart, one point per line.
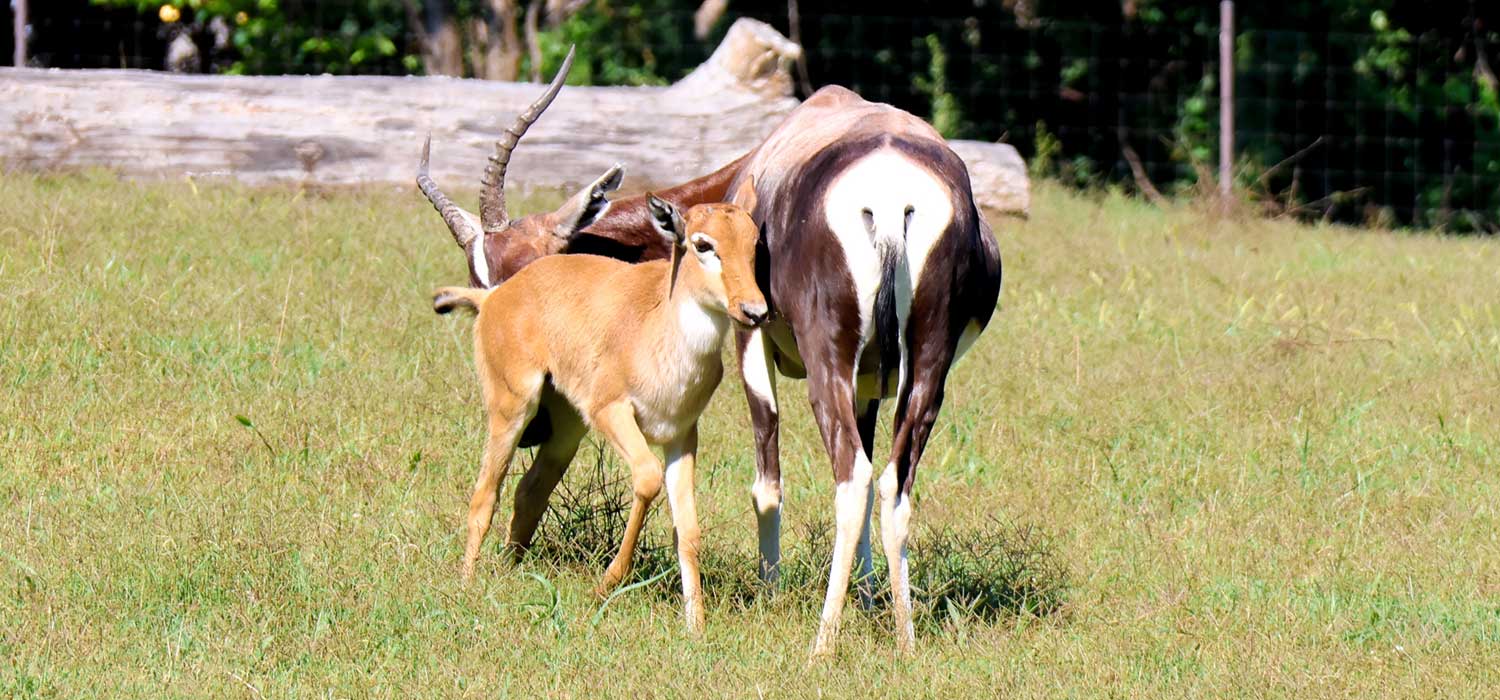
887 321
449 299
444 305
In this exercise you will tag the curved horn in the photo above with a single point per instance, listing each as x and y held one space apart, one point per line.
492 214
457 222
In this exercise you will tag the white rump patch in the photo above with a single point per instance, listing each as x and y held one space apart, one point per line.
887 183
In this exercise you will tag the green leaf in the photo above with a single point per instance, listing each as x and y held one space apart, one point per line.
244 421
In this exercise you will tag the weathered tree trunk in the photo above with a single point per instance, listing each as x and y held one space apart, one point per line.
18 25
437 37
559 10
533 41
708 14
370 129
494 43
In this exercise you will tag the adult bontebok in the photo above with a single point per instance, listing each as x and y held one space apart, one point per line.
631 350
497 246
881 272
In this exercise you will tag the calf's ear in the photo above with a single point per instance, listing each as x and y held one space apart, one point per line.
666 219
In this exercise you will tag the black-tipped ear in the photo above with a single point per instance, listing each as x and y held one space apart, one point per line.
589 204
610 181
666 219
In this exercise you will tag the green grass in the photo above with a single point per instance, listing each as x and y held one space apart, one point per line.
1266 456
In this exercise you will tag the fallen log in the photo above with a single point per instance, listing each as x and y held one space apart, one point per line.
364 129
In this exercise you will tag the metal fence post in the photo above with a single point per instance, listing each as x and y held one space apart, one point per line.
1226 100
18 14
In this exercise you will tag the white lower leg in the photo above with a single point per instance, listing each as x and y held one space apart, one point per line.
680 497
864 563
851 504
895 529
767 497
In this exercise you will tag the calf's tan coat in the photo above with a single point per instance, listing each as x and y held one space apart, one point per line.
632 351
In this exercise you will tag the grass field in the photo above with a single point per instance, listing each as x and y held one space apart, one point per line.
1266 455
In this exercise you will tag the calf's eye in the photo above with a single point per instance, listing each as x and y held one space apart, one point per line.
703 246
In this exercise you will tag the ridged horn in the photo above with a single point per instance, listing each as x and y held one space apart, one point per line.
458 223
492 214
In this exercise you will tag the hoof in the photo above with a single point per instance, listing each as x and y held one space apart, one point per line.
822 650
694 619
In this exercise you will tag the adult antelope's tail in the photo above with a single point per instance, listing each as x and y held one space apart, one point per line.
446 299
891 309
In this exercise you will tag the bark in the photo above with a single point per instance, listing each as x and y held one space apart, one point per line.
708 15
437 36
364 129
495 42
533 42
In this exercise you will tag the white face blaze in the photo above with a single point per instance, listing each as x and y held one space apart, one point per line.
477 259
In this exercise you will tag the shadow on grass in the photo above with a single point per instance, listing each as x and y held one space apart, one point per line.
986 573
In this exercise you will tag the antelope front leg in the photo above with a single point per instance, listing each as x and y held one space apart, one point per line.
760 391
618 425
681 459
864 564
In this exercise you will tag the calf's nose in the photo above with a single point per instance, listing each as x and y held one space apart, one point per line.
757 313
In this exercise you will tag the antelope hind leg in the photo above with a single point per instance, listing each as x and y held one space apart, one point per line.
617 423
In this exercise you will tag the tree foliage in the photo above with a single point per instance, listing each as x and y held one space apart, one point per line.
290 36
1378 110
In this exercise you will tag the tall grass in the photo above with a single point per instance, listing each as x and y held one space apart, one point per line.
1264 455
983 572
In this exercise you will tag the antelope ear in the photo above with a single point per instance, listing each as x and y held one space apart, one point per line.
666 220
745 196
588 204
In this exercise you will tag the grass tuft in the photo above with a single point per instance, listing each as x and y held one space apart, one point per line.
959 574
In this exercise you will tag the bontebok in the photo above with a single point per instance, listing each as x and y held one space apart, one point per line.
630 350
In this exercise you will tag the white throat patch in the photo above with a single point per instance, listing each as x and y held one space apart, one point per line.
702 330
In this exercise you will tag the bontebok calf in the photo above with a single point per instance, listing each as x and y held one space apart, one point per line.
630 350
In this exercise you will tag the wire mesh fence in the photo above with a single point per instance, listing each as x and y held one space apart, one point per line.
1383 127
